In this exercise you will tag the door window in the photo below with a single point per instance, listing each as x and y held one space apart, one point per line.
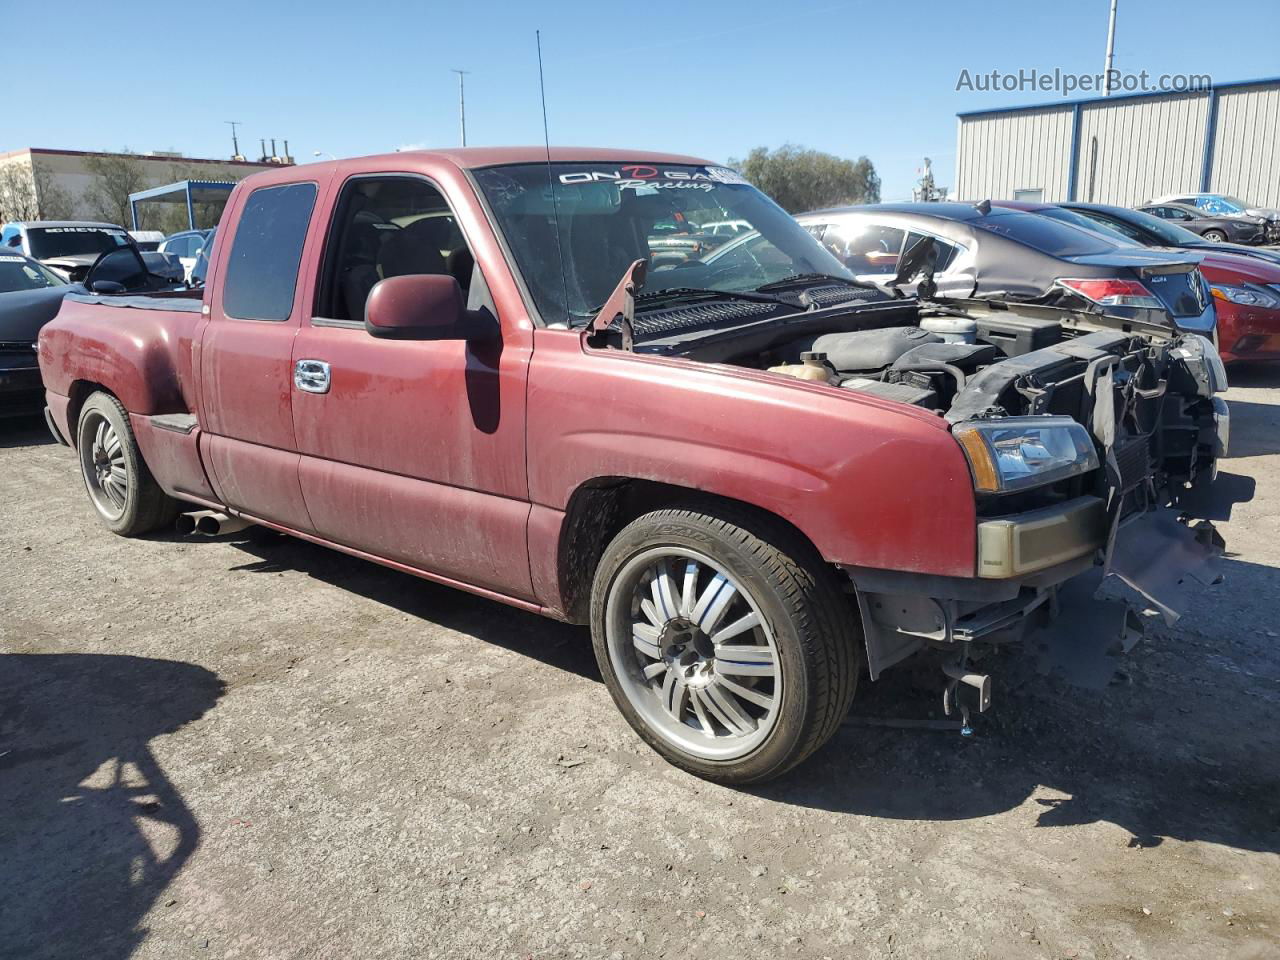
262 272
864 247
947 251
389 227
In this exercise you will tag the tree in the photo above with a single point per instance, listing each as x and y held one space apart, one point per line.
115 176
800 179
30 193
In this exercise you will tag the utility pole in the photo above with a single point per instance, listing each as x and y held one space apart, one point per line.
1111 50
235 144
462 104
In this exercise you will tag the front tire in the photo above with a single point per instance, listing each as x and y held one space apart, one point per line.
120 487
1215 236
724 640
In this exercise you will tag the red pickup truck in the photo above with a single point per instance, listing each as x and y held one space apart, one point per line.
753 476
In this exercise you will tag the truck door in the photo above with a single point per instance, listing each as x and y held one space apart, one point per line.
412 451
246 374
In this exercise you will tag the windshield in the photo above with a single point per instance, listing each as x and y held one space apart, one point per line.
1168 233
1048 236
1110 230
48 242
1221 204
19 273
671 215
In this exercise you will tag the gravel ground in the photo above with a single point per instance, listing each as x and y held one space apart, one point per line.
233 748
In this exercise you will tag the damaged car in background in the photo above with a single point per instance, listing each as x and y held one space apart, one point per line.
755 477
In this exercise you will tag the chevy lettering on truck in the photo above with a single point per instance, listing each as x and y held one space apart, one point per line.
756 479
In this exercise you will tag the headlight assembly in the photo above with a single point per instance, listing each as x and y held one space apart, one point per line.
1021 452
1248 295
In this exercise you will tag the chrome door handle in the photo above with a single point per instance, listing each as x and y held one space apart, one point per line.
311 376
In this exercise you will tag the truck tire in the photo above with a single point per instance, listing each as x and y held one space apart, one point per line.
724 640
120 486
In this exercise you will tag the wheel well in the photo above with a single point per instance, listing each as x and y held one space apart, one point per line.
81 390
601 507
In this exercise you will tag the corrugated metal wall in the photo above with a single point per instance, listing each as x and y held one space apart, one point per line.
1145 148
1003 152
1246 150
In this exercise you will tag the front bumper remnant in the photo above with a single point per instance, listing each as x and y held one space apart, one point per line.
1038 539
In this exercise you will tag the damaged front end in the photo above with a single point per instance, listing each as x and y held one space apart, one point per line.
1091 458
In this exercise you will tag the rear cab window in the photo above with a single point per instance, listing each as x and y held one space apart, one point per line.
262 270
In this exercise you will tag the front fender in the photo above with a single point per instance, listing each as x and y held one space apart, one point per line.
870 482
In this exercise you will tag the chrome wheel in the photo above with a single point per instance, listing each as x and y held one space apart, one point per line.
692 653
102 461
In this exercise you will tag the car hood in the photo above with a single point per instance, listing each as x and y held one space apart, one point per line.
1234 268
71 260
24 312
1271 213
1239 249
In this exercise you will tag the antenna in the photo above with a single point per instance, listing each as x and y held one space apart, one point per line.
555 208
235 143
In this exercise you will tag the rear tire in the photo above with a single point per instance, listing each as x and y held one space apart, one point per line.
1215 236
123 493
725 641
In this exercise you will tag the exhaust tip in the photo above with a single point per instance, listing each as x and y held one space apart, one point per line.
208 525
185 525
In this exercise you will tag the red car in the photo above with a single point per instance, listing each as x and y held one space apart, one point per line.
751 475
1246 289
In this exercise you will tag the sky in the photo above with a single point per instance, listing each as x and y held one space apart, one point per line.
711 79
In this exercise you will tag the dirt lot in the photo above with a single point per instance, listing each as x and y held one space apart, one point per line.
219 748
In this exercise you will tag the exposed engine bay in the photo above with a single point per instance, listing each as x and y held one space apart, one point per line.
1140 399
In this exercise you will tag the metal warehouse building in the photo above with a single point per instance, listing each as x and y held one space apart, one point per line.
1126 149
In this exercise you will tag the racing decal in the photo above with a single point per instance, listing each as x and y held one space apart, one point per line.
11 260
635 176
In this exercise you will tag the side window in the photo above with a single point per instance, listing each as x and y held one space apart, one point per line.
262 271
865 248
388 227
947 251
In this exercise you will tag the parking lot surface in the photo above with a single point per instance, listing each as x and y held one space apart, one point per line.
254 747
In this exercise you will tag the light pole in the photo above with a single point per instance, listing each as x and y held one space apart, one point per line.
1111 50
462 104
321 153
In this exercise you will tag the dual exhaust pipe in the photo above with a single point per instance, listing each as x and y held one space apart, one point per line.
210 523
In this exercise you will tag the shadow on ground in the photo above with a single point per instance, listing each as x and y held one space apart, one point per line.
24 431
1182 745
92 831
1162 755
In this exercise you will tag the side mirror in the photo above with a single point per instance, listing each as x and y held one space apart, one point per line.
117 271
419 306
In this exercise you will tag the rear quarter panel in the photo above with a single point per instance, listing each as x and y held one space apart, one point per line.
144 358
870 483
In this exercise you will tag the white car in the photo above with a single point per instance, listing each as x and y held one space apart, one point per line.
186 247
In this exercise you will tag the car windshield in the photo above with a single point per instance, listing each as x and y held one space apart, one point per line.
48 242
610 215
1108 230
1221 204
19 273
1048 236
1169 233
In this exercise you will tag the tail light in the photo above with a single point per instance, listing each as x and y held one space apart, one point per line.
1113 292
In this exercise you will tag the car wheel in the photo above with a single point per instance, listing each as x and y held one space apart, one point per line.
120 486
1215 236
724 640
